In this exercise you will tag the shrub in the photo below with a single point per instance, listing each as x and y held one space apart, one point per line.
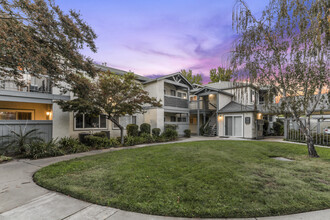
170 134
100 134
40 149
129 141
147 138
71 145
99 142
132 130
265 127
156 132
278 128
171 126
145 128
187 133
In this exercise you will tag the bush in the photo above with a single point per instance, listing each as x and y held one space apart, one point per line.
265 127
171 126
145 128
170 134
40 149
100 134
132 130
187 133
99 142
156 132
278 128
71 145
147 138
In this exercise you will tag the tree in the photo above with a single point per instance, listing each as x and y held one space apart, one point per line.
197 79
110 94
286 50
221 75
38 38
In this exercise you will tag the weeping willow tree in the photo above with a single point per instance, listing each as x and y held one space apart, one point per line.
286 50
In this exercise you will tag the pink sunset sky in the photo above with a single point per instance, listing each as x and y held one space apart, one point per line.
153 38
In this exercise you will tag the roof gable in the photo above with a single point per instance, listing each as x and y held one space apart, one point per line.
234 107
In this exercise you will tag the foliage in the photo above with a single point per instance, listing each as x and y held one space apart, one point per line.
286 51
100 134
4 158
132 130
220 74
170 134
197 79
187 133
278 128
148 138
241 173
71 145
265 128
15 141
156 132
38 38
145 128
113 95
41 149
96 142
171 126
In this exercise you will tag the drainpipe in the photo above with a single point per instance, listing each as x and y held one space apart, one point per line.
217 114
197 115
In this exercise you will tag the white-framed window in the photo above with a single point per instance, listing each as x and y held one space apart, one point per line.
87 122
182 95
16 114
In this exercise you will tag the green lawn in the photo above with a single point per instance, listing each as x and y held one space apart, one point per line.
199 179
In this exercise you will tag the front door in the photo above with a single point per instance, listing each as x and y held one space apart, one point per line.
234 126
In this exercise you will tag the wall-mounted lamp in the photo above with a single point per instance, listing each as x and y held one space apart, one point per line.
48 113
220 117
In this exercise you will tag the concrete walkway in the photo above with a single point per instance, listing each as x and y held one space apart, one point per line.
21 198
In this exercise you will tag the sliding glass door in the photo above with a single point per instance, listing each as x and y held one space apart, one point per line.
234 126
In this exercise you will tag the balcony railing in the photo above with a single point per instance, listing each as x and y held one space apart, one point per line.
193 105
175 102
32 84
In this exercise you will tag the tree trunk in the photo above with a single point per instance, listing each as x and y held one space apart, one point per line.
311 149
120 127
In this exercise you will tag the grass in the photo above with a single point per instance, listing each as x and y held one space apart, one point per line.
4 158
199 179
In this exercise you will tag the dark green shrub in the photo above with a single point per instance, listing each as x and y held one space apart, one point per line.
41 149
132 130
278 128
145 128
265 127
100 134
187 133
160 139
130 141
99 142
148 138
171 126
170 134
156 132
70 145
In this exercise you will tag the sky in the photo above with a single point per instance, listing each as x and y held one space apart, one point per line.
158 37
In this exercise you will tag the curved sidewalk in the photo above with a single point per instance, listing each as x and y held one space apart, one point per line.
21 198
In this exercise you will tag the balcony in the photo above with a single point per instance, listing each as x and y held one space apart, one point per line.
32 84
172 101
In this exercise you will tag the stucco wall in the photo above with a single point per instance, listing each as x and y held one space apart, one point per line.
61 122
224 100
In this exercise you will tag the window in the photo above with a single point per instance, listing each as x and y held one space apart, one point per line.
83 121
182 95
179 94
173 119
134 120
117 119
173 93
7 114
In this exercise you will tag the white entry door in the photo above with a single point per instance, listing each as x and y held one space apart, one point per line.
234 126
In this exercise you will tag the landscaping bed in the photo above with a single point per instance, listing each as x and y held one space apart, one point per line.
198 179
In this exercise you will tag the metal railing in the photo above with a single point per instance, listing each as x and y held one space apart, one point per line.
32 84
175 102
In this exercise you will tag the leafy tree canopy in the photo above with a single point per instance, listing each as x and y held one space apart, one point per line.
220 74
38 38
286 50
109 94
198 79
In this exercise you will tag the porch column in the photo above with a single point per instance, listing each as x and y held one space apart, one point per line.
197 115
217 114
204 118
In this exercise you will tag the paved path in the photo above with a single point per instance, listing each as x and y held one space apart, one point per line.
21 198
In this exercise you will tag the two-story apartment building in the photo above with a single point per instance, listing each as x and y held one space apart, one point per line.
222 109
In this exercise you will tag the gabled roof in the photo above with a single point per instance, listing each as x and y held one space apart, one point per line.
234 107
121 72
208 89
172 76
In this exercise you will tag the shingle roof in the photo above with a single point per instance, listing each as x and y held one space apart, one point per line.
234 107
121 72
